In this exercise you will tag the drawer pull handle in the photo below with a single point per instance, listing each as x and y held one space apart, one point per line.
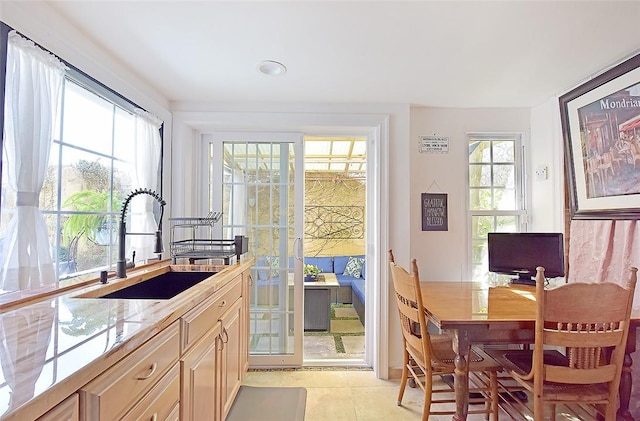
226 335
220 343
154 417
152 370
223 303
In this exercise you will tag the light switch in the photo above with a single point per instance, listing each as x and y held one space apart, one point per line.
541 172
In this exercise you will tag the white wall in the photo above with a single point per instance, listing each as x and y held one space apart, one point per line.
443 255
546 200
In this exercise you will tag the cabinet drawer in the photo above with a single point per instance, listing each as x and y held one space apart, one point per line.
111 394
159 403
199 320
67 410
175 413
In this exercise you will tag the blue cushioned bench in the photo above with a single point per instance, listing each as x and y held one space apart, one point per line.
344 294
351 289
358 296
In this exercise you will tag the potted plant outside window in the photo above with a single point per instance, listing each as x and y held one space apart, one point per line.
97 228
311 272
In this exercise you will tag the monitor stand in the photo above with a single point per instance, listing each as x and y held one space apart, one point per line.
523 279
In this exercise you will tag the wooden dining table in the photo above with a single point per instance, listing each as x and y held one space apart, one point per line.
477 313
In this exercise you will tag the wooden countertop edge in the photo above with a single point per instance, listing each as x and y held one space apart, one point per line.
183 302
16 299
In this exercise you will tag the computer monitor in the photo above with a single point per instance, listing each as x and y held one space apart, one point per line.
519 254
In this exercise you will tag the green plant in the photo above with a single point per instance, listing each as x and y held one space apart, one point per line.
311 270
87 224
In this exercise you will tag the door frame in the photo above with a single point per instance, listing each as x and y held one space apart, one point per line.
196 124
218 139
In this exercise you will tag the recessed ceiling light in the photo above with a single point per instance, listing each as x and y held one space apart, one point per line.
271 68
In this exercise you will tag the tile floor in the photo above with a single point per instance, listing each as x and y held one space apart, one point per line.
348 395
353 394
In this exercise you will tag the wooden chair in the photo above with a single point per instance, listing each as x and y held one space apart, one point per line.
589 322
427 355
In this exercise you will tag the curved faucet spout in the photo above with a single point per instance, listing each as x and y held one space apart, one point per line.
121 263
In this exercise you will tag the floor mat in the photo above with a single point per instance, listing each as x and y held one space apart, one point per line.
269 404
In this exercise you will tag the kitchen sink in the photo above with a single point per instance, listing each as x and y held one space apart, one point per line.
162 287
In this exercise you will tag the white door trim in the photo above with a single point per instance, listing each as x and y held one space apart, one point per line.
195 124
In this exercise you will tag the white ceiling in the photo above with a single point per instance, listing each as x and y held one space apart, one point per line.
433 53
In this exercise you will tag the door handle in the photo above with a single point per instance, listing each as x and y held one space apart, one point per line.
297 248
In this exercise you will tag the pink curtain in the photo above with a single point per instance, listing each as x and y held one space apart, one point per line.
603 251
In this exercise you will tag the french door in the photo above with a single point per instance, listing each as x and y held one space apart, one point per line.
262 197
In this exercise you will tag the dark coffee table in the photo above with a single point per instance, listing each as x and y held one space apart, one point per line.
317 302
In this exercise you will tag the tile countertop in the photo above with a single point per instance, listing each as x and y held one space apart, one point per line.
52 347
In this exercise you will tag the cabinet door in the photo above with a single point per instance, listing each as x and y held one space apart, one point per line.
175 414
232 358
199 399
67 410
247 281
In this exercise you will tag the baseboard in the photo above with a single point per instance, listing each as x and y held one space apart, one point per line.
395 373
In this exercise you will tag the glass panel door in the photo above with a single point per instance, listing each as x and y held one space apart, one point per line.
262 197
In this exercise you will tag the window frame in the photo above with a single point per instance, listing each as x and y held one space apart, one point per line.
520 191
85 81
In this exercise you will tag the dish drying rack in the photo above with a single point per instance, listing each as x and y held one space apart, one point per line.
192 239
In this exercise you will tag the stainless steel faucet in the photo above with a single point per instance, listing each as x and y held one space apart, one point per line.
121 263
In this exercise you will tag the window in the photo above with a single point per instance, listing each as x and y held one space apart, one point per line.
495 193
91 170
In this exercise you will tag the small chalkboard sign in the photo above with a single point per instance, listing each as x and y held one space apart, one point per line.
434 212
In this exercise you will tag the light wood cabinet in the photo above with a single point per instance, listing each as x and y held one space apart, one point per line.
190 370
247 281
110 395
67 410
231 356
213 366
200 388
175 414
160 403
197 322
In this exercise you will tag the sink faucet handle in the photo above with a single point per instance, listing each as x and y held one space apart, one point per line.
130 264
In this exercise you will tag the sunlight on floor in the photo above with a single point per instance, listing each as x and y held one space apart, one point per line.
355 394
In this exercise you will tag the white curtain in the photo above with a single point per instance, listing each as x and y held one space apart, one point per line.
147 155
32 93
